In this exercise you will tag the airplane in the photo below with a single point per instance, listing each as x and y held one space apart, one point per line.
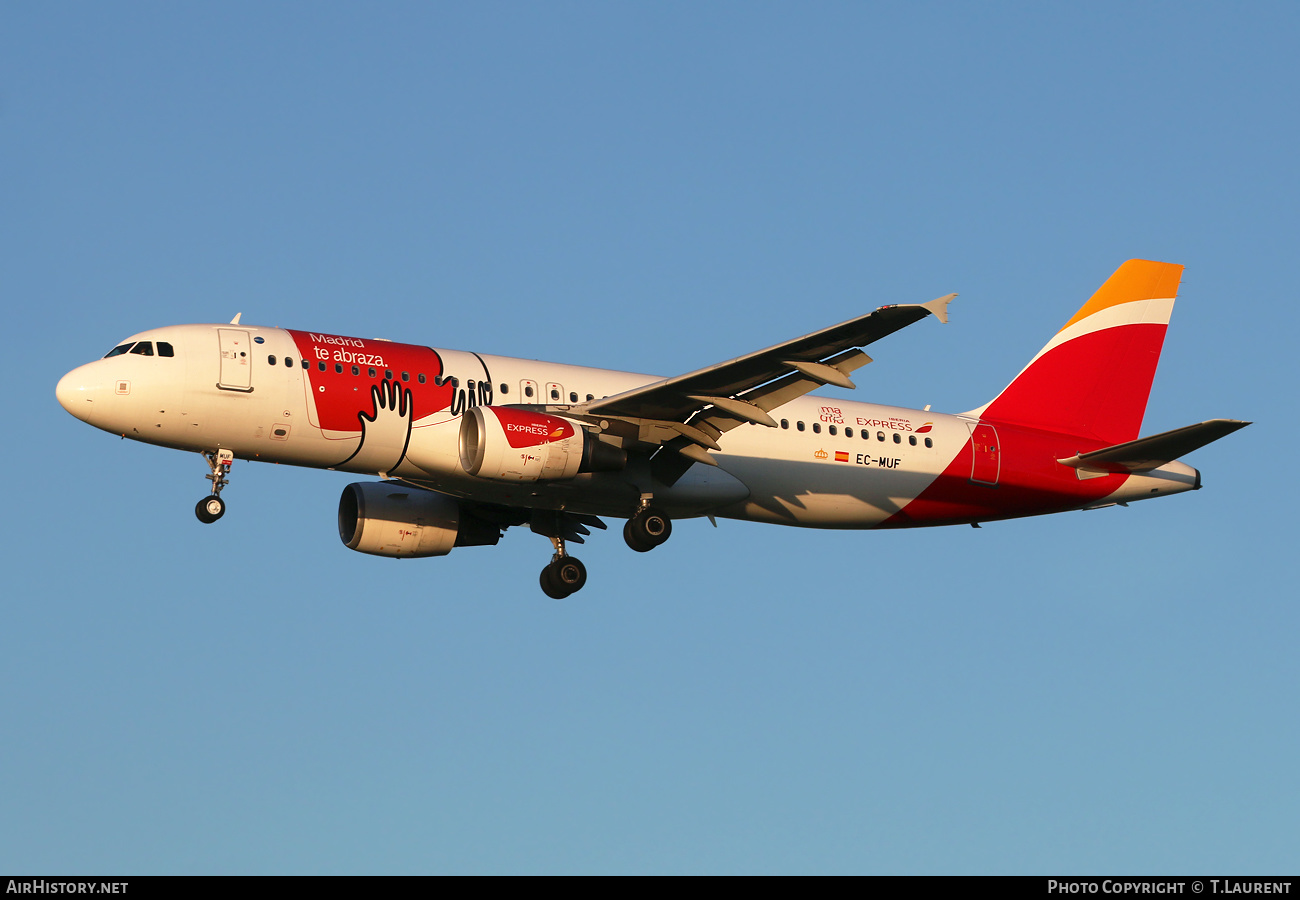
466 444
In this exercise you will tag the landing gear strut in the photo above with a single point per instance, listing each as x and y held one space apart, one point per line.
212 507
646 530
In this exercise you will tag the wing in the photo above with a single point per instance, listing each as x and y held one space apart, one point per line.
687 414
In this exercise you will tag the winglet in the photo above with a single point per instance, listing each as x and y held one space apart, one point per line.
235 320
939 307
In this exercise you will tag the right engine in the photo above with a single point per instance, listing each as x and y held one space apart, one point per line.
507 444
394 520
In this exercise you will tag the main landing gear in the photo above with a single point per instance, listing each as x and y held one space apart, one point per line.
647 529
212 507
564 575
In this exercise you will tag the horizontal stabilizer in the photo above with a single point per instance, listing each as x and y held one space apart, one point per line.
1152 452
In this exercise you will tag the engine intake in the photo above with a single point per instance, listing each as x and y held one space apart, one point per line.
506 444
398 521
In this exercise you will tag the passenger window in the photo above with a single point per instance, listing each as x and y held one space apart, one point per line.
288 362
573 396
144 348
590 398
406 376
817 427
555 394
528 390
388 373
785 423
898 438
356 370
165 349
880 435
911 439
321 365
118 350
799 425
371 371
928 443
848 432
270 360
832 430
505 389
306 364
338 368
420 378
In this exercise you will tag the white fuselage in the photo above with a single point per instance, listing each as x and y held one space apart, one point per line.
281 396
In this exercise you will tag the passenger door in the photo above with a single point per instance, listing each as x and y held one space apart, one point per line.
236 360
986 460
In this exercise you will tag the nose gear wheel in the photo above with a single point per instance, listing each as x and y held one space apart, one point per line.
209 509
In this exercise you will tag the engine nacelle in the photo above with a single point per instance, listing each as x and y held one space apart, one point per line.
506 444
393 520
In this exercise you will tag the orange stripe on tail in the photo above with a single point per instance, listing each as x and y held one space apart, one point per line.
1137 279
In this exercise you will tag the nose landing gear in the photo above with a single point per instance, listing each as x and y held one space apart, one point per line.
212 507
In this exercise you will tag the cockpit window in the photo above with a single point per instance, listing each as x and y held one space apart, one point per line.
118 350
144 348
165 349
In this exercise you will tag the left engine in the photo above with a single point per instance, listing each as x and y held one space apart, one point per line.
393 520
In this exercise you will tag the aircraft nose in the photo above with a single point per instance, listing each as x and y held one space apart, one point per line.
76 392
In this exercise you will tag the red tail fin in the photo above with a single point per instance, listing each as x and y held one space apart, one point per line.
1093 378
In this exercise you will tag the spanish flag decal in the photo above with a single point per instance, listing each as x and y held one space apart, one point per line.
841 456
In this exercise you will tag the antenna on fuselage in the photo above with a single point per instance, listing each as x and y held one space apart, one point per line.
235 320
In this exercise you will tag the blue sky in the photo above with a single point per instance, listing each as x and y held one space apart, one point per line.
654 187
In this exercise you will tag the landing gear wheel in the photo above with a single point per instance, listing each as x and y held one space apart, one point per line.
564 576
570 573
647 529
630 536
209 509
549 588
